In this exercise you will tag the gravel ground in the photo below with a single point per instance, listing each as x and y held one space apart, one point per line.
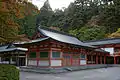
112 73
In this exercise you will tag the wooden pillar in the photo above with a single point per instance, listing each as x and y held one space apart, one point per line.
91 59
0 59
10 60
118 60
50 55
86 59
26 59
114 59
100 59
62 56
18 62
96 59
71 59
37 56
104 59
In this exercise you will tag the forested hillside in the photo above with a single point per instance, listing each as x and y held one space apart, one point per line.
16 17
85 19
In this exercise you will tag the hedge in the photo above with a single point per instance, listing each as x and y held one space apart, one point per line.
8 72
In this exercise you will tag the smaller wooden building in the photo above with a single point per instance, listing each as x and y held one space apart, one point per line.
111 45
9 54
50 48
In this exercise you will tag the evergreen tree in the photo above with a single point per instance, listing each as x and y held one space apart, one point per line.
45 14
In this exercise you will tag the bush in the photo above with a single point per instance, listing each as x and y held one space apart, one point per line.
8 72
3 78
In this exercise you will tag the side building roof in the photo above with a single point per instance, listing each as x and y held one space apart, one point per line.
103 42
9 48
100 50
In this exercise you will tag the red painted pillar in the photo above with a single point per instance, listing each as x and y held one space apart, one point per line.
62 57
114 59
71 59
96 59
50 54
91 59
79 59
86 59
37 56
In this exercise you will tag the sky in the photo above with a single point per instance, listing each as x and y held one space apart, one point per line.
55 4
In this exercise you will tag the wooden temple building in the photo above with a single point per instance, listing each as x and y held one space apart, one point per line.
110 45
51 48
9 54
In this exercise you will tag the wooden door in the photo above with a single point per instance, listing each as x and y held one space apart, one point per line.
21 61
75 60
67 60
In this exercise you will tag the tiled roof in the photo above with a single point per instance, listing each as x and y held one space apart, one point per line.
32 41
7 48
62 37
103 41
13 49
100 50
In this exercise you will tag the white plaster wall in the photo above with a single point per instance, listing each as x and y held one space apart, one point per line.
82 62
32 62
44 63
56 63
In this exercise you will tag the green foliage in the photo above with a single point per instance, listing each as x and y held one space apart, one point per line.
56 18
8 27
109 17
28 25
79 13
115 34
12 13
8 72
28 22
20 18
3 78
45 14
89 33
118 31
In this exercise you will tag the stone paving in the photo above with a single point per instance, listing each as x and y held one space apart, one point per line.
112 73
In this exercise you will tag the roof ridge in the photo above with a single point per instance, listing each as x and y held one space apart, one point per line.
60 32
100 40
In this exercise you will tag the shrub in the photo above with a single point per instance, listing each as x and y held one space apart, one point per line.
3 78
8 72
